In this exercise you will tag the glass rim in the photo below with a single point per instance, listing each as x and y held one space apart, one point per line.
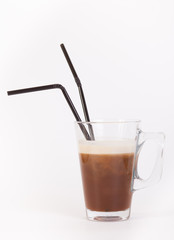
110 121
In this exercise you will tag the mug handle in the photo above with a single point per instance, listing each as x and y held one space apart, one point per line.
156 173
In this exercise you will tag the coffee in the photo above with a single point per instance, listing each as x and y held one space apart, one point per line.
107 169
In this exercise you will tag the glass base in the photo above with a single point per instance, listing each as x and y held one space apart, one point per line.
108 216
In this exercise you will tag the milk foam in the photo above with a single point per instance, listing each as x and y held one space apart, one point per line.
107 147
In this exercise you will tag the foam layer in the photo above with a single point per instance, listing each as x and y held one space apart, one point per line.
107 147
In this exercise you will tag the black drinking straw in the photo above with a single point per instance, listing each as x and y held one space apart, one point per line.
66 95
79 85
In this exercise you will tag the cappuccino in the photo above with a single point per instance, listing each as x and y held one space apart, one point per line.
107 168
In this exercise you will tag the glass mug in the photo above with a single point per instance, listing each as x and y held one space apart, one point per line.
109 166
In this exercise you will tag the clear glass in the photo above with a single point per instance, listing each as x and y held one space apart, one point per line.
109 161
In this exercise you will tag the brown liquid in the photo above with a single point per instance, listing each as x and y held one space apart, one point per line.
107 181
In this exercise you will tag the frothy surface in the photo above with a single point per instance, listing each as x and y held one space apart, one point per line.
107 147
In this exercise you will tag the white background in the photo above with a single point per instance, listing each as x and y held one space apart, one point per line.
123 52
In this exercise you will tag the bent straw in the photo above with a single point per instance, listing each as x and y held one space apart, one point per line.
66 95
79 85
